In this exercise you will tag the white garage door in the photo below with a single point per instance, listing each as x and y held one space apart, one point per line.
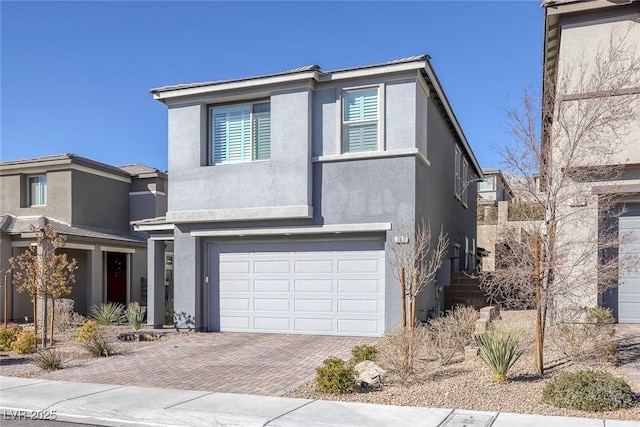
329 288
629 289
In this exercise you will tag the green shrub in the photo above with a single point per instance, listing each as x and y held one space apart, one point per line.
25 343
168 312
108 314
87 331
361 353
588 390
500 349
335 376
48 360
99 346
135 315
8 335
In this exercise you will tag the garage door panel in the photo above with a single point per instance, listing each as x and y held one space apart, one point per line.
271 324
357 306
358 266
314 325
358 326
302 287
237 323
271 285
359 285
230 266
271 266
235 285
313 305
313 285
316 266
271 304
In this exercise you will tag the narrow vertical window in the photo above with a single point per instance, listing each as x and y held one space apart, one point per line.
465 181
457 176
360 120
37 190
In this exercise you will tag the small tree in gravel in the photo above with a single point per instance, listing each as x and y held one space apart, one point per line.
43 273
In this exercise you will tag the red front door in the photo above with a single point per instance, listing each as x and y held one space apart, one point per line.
117 277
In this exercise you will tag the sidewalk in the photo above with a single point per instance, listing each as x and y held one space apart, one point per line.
114 405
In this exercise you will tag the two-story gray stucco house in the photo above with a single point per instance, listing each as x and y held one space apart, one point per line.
92 204
287 190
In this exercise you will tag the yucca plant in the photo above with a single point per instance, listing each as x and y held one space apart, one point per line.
500 349
108 314
135 315
48 360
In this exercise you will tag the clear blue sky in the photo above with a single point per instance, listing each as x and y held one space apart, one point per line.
75 76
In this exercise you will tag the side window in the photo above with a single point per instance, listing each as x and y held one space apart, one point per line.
465 181
37 190
360 120
457 176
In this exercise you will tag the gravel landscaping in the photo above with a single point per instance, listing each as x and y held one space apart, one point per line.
468 384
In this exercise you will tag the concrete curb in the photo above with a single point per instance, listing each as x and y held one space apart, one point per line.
115 405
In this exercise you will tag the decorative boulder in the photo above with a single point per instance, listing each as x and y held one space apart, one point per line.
368 373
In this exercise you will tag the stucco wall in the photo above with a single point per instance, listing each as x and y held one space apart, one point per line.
99 201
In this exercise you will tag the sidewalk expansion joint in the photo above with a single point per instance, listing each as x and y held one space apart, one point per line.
288 412
23 385
206 393
84 395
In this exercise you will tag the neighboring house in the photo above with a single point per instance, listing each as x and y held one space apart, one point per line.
287 191
494 194
90 203
576 31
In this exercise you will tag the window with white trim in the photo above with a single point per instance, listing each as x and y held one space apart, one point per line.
458 177
240 133
37 190
488 184
360 118
465 181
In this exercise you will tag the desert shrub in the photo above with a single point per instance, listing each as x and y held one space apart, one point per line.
65 318
335 376
48 359
87 331
587 336
25 343
500 349
588 390
361 353
135 315
398 350
448 335
8 334
99 345
168 312
108 314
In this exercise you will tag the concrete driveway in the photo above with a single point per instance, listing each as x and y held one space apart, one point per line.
266 364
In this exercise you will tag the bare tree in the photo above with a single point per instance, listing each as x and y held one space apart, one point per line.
563 259
417 257
43 273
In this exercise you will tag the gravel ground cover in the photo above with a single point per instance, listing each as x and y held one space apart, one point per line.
468 384
19 365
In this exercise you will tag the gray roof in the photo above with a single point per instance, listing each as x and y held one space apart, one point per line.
68 158
305 68
138 169
12 225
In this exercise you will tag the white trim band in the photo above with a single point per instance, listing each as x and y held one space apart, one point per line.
242 214
406 152
143 193
286 231
116 249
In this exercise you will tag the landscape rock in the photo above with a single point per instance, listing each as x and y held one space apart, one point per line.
369 373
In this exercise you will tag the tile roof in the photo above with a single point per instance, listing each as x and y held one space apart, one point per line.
138 169
10 224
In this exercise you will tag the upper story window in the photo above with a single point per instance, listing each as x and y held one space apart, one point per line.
465 181
37 191
488 184
240 133
458 175
360 116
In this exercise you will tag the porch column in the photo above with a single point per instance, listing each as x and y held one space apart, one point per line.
155 283
95 277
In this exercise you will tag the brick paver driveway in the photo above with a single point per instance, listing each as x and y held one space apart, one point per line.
267 364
